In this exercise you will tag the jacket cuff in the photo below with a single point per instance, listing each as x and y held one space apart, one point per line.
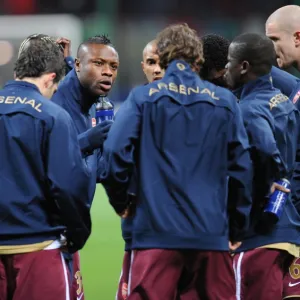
84 144
70 62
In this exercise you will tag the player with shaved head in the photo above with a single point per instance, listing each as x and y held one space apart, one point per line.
150 63
96 68
152 71
283 28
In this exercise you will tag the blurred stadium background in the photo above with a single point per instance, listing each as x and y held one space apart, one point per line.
130 24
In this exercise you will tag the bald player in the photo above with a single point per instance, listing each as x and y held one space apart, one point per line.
283 28
150 63
152 71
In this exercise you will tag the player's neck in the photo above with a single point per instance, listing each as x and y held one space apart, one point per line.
35 81
38 82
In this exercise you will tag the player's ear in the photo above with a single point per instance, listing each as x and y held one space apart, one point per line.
49 80
244 67
77 64
297 38
143 65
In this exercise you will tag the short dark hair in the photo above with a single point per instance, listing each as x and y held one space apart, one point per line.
41 57
257 49
97 39
179 41
215 51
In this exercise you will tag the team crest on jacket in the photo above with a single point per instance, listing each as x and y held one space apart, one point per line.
124 290
296 98
93 122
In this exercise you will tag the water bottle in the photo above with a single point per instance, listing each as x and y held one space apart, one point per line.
276 203
104 110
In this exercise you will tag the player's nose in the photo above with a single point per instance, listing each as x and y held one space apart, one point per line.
106 70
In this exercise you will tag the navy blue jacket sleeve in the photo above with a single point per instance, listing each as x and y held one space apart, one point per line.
264 152
99 165
84 143
69 181
58 98
296 178
118 153
240 179
284 81
70 62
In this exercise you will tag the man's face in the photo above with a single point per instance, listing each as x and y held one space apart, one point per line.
233 69
150 64
217 77
284 44
97 68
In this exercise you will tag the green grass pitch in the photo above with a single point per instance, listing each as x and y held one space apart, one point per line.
101 258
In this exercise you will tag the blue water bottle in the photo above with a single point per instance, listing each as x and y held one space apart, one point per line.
104 110
276 203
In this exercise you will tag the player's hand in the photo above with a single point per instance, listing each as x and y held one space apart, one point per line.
98 134
129 211
64 245
64 249
234 245
66 45
276 186
125 214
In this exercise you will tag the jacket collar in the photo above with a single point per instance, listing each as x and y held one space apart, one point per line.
20 83
79 93
261 83
178 65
